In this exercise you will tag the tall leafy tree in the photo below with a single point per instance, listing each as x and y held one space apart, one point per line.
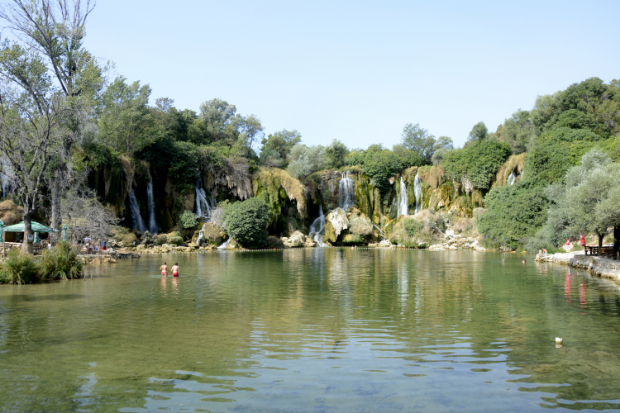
517 131
125 121
276 147
441 147
419 140
33 113
336 154
55 30
478 132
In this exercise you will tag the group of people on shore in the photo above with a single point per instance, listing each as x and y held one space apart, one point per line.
174 269
91 246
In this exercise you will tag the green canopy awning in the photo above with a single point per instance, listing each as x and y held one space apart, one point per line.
36 227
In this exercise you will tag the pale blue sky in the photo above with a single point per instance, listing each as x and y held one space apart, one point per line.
358 71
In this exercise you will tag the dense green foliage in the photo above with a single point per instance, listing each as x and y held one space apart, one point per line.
380 164
188 220
514 213
412 227
478 162
246 221
586 202
556 133
276 148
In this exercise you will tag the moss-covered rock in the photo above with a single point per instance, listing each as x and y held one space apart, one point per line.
211 235
124 235
286 198
353 239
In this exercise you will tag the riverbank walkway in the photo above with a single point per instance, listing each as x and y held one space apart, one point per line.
596 266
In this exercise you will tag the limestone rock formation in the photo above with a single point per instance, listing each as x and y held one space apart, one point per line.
337 222
296 240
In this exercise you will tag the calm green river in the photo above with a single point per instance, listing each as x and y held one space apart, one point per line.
313 330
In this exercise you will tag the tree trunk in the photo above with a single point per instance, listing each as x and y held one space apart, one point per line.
616 239
600 242
28 247
55 195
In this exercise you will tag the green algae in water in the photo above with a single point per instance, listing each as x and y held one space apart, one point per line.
313 329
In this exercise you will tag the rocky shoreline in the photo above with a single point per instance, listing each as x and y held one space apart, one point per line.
596 266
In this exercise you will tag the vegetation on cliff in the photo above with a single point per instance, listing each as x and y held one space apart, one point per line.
151 159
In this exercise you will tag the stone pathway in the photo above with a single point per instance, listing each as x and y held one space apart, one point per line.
599 267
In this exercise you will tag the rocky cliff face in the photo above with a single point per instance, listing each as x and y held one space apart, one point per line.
296 203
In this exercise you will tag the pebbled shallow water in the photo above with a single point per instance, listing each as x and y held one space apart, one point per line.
313 330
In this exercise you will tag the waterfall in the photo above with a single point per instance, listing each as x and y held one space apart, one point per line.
403 199
136 218
204 205
5 179
417 190
153 227
382 234
201 236
346 189
511 178
318 228
225 244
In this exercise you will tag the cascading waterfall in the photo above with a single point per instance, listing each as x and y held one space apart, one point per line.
225 244
136 217
204 205
346 189
317 229
4 176
201 236
153 227
511 178
417 190
403 199
382 234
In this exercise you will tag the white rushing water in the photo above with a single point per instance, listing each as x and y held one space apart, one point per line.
403 199
417 190
225 244
511 178
382 234
153 227
317 229
136 217
204 205
201 236
5 179
346 189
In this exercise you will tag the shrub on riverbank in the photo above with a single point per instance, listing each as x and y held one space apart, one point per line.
18 268
59 263
246 221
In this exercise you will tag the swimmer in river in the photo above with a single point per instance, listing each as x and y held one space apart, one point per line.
175 269
524 261
164 269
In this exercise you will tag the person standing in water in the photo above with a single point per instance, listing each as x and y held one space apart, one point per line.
175 269
164 269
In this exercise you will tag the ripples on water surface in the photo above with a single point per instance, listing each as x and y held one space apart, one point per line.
313 330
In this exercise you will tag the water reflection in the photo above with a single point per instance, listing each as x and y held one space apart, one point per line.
316 329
